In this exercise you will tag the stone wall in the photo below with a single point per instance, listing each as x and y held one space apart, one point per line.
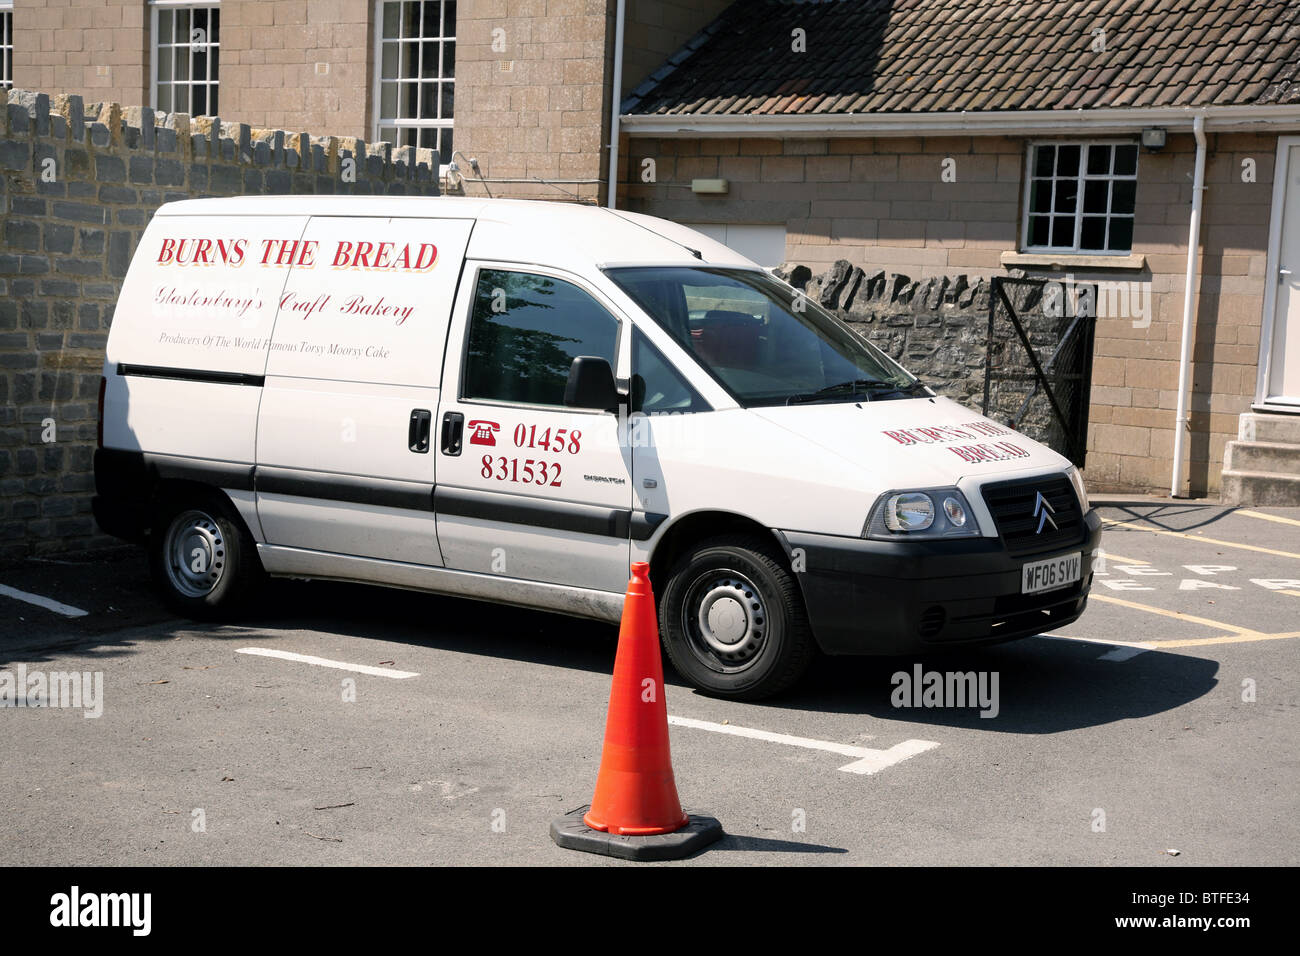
282 62
95 48
298 63
532 95
78 184
937 328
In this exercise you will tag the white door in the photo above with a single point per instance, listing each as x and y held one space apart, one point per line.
1280 345
527 487
345 462
765 244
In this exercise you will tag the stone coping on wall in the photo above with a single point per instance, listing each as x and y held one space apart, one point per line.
67 117
850 289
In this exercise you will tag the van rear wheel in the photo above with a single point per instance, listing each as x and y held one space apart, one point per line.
732 620
203 558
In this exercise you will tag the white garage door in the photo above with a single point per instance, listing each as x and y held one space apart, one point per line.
764 244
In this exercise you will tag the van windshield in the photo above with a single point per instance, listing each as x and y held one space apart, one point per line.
761 340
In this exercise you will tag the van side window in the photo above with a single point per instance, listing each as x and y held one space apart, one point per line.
656 385
525 332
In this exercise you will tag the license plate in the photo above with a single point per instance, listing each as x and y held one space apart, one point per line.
1053 573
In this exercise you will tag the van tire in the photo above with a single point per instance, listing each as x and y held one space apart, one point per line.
732 619
224 572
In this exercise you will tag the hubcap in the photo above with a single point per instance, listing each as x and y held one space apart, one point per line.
726 619
194 553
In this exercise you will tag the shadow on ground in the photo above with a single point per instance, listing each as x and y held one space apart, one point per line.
1044 686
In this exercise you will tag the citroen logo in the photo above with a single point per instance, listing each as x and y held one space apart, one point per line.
1043 512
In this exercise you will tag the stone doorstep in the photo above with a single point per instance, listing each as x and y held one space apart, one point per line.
1262 457
1262 466
1260 489
1270 427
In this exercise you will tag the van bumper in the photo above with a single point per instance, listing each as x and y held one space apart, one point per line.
885 597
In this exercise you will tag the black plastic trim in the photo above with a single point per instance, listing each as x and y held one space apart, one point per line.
223 474
383 492
539 513
125 481
191 375
513 509
644 524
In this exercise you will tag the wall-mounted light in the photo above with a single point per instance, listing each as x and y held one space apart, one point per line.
710 187
1153 138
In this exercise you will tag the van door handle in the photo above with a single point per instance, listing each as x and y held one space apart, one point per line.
417 435
453 431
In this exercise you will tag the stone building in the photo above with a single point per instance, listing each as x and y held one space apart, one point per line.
929 138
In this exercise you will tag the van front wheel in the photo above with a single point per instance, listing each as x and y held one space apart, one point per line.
732 620
203 559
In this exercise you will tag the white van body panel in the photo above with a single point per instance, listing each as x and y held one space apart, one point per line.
176 417
371 304
914 444
339 429
575 601
738 462
589 472
568 239
351 528
195 296
357 349
182 307
821 468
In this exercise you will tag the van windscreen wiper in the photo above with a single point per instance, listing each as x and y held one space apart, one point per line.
858 386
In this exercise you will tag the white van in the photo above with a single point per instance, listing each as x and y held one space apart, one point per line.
510 401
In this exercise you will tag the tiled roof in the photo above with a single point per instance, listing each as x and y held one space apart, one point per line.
892 56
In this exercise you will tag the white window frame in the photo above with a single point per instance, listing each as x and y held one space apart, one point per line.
1082 178
379 120
154 53
6 44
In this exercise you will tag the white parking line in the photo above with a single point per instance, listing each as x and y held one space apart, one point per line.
868 760
1117 652
1123 653
58 607
323 662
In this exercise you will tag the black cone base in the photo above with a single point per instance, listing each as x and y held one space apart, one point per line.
571 833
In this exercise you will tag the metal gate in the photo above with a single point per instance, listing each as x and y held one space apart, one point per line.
1038 360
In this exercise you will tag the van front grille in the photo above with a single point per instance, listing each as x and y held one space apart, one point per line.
1013 506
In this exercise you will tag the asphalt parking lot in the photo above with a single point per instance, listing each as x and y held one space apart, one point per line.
1165 719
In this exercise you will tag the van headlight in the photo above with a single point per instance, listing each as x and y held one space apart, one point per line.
1076 479
929 513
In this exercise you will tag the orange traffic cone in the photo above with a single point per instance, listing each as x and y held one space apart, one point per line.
636 813
635 791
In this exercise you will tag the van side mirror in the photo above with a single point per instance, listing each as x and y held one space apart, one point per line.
591 384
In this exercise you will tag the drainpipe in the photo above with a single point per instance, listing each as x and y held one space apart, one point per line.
616 99
1189 308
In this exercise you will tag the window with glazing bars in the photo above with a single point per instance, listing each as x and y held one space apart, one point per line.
1081 198
6 46
415 69
187 52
